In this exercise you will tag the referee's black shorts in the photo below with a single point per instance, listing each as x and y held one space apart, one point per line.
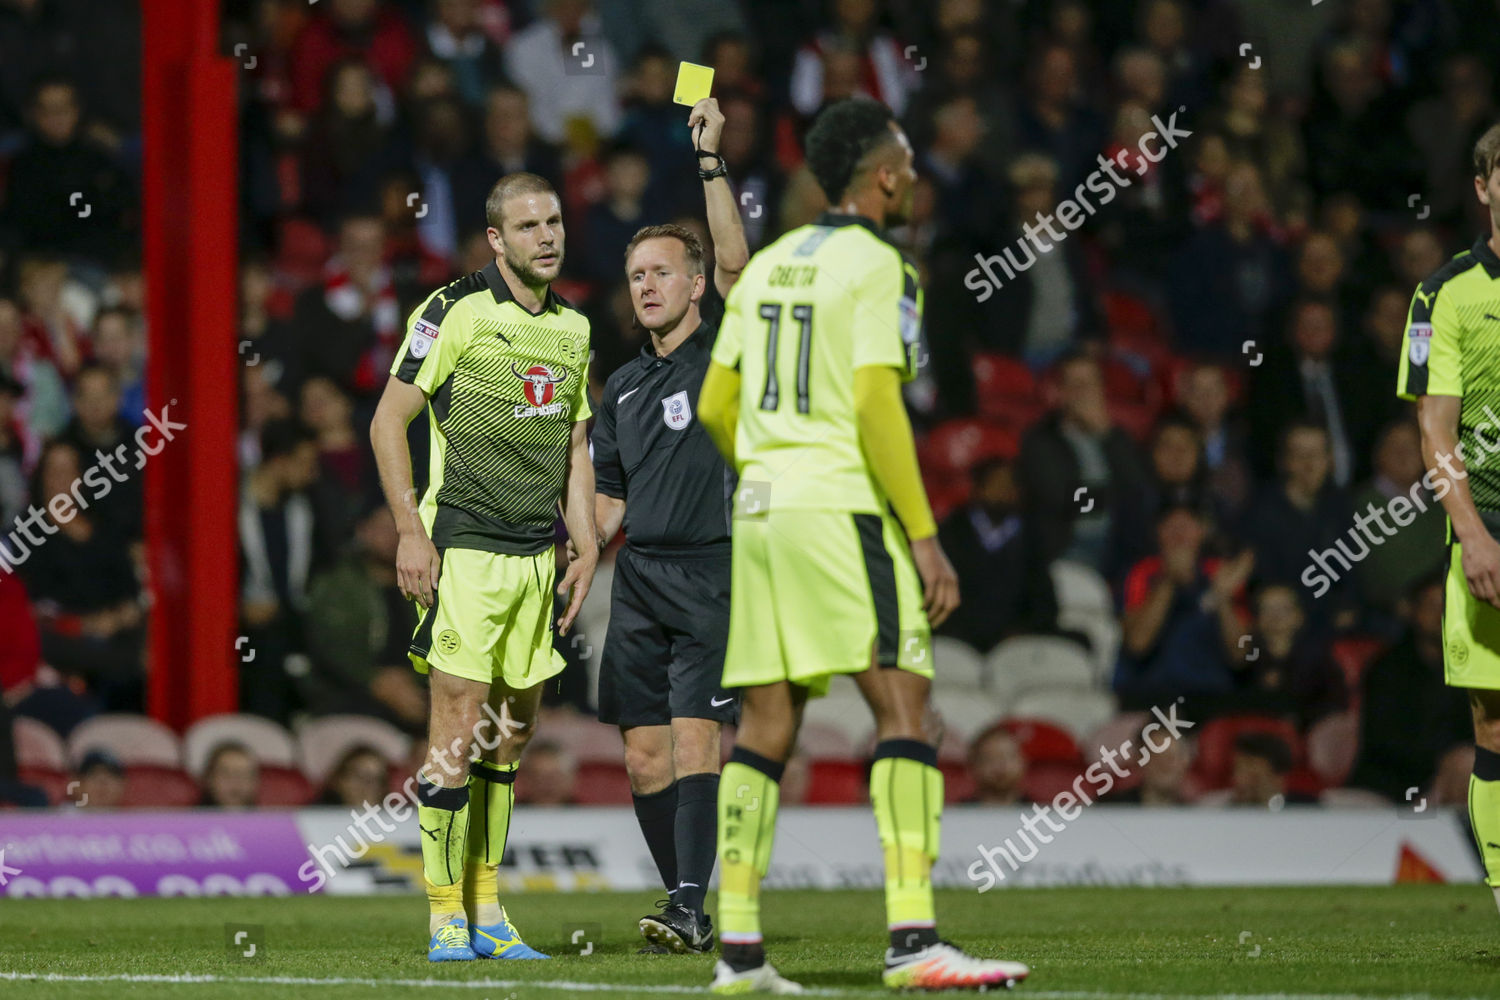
668 629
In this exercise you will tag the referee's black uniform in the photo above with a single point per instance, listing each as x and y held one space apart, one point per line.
669 610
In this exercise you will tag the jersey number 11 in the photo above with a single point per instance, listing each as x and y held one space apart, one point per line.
771 313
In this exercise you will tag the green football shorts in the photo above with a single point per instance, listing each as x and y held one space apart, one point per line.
1471 631
815 593
492 619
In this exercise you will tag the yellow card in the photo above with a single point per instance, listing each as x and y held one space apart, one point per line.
693 83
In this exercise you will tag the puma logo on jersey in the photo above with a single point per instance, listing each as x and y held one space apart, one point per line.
1426 297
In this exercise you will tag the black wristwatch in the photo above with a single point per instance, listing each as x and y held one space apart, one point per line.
719 170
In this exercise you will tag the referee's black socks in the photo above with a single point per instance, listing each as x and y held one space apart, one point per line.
657 814
696 831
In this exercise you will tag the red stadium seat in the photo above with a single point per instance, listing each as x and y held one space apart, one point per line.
284 786
1353 655
1044 781
1305 781
1216 744
150 787
1006 390
303 248
958 785
1044 742
836 783
1332 745
1133 327
1124 384
602 784
954 446
53 783
1136 419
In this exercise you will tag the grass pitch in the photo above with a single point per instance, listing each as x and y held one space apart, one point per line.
1083 943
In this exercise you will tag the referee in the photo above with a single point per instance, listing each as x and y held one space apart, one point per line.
657 472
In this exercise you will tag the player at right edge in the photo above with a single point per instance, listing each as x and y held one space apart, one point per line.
836 567
1450 364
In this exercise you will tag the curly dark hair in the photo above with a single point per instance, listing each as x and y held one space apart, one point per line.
841 137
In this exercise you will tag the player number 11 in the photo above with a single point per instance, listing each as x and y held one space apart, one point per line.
771 313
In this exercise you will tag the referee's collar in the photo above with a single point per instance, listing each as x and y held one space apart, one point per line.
1486 256
501 291
697 341
836 219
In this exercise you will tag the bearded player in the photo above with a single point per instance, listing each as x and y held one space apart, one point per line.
499 361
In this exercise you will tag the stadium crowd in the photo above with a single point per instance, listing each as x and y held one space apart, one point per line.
1147 444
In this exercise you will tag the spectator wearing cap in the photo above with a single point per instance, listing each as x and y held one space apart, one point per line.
1083 475
231 778
1181 617
99 781
1002 571
358 648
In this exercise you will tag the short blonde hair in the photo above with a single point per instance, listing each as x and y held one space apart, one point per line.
1487 152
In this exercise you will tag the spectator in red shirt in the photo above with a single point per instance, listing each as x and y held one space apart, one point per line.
366 29
1181 619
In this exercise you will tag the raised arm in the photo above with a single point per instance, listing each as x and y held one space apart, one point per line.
417 562
731 252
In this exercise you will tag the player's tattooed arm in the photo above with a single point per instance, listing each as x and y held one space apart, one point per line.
578 516
731 251
417 561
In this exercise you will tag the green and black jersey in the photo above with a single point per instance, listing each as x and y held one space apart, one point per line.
504 388
1452 348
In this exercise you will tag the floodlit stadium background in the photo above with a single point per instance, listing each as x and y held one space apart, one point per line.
216 221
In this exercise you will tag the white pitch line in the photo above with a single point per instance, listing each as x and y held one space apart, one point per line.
1021 992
